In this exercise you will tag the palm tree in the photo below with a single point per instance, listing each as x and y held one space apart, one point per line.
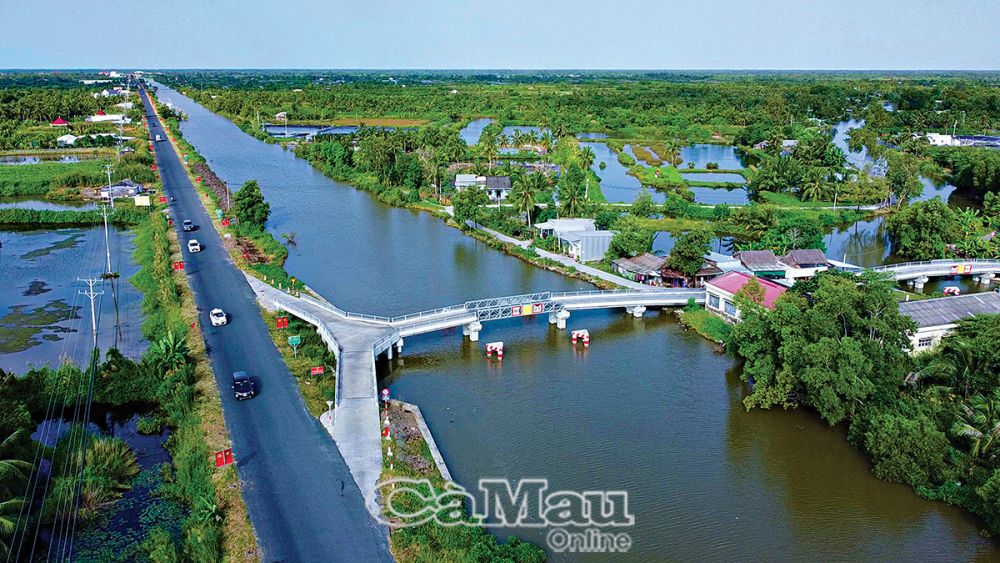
571 200
13 474
979 421
815 187
489 149
170 351
522 196
587 157
671 152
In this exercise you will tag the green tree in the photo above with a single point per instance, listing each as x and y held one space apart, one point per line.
978 422
169 352
923 230
688 253
522 196
250 206
469 203
906 450
631 239
643 205
572 199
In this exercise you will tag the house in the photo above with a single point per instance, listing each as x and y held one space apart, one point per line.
674 278
497 187
587 246
787 145
59 122
101 117
939 140
66 140
804 263
124 188
125 105
644 268
720 294
559 227
936 318
761 263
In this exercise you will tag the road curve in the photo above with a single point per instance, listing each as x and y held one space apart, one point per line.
302 501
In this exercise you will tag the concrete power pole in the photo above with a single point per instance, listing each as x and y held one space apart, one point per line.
111 194
91 282
107 245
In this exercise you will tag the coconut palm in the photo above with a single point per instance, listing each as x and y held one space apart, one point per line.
979 422
522 196
815 187
587 157
671 152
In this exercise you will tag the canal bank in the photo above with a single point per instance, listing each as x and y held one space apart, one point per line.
712 480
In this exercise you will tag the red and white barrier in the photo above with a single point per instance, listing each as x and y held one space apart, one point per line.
496 347
583 335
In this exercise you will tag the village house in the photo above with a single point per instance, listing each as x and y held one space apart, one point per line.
59 122
124 188
936 318
720 294
101 117
578 237
939 140
674 278
804 263
496 187
644 268
761 263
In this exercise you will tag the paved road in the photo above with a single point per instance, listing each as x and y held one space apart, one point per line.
302 500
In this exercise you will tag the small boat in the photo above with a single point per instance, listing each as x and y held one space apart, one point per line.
952 290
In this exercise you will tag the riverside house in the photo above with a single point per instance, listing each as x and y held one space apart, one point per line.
720 294
497 187
578 237
673 278
644 268
936 318
804 263
762 263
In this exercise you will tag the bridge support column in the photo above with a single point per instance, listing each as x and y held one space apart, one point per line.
636 311
918 284
561 317
399 347
472 330
985 279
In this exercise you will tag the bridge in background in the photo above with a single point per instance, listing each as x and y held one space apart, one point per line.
919 273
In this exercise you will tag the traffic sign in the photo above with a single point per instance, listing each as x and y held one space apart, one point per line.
385 394
163 199
317 370
223 457
218 213
178 265
294 340
281 322
225 222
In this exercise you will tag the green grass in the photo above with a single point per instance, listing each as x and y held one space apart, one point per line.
707 324
669 177
37 179
788 200
674 224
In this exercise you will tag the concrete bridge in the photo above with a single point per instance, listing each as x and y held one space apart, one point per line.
919 273
358 339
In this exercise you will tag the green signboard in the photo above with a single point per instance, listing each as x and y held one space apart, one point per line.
294 341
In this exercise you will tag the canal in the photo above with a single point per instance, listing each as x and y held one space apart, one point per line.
649 408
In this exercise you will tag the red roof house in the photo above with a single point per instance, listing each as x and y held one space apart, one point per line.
59 122
720 292
100 112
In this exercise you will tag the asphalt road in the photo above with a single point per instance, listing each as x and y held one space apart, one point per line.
302 501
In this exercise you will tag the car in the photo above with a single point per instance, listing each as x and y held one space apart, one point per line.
218 317
243 387
188 225
194 246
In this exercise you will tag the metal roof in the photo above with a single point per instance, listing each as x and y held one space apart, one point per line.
949 310
759 260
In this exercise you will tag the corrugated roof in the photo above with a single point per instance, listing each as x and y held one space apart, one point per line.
642 264
949 310
498 182
804 257
759 260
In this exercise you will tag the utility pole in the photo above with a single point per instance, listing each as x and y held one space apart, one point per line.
111 194
92 294
107 245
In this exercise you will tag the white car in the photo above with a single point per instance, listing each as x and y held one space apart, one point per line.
218 317
194 246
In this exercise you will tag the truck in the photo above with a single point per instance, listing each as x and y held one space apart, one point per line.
158 139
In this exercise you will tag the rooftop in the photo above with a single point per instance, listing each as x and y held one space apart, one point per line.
950 310
570 224
759 260
642 264
733 282
805 257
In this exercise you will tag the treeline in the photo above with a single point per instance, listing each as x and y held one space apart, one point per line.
838 344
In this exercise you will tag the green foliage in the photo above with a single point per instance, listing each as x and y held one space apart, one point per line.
630 240
643 205
251 209
468 204
908 450
688 253
834 351
923 230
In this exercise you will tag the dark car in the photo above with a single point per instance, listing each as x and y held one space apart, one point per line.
188 225
243 386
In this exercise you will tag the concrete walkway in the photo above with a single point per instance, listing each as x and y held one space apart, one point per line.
567 261
354 424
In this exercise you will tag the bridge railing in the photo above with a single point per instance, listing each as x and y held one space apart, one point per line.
625 292
941 262
430 312
338 311
386 342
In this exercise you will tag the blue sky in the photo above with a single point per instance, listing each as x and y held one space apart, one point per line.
637 34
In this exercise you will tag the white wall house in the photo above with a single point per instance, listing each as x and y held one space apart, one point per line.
720 294
939 140
936 318
496 187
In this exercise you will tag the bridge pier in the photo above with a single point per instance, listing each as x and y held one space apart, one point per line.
918 283
558 318
399 347
985 279
472 330
636 311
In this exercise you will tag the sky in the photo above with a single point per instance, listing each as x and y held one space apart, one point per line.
506 34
